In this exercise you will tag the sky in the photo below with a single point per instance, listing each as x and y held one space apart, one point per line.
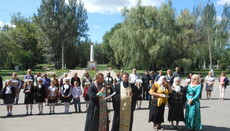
102 14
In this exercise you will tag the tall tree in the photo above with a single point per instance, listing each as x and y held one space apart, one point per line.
61 24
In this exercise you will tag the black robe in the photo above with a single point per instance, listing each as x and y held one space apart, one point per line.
92 117
116 105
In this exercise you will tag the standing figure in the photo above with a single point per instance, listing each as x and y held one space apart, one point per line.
66 93
176 103
76 93
177 73
145 83
17 83
133 76
29 75
192 115
29 95
86 78
159 75
209 80
159 92
140 88
97 113
169 76
75 78
8 96
124 102
86 94
40 94
201 83
223 83
52 96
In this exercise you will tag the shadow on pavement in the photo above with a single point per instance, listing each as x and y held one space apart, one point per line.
214 128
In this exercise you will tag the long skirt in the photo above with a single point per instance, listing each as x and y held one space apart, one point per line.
176 113
156 114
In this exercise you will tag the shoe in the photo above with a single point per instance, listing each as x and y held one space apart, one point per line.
50 113
31 113
53 112
26 114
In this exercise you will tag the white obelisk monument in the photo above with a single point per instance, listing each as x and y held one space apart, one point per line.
91 63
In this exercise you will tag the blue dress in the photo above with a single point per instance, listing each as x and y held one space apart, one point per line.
192 116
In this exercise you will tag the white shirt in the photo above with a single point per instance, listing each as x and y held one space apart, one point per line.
8 90
133 77
52 90
76 92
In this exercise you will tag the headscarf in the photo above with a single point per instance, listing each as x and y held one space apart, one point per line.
176 87
160 82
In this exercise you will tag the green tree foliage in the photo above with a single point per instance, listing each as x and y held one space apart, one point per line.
19 45
60 24
155 38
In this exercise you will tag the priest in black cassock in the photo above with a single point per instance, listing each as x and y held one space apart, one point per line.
124 102
97 113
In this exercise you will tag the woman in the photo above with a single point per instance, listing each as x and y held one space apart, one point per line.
176 103
192 115
9 93
209 80
52 96
223 83
159 92
29 96
66 93
40 94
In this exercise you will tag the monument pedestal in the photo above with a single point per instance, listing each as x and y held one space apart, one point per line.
92 65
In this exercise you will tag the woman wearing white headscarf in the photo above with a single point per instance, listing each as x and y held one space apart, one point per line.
176 103
159 92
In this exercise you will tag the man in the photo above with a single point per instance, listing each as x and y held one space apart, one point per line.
124 102
97 113
152 76
159 75
75 78
17 83
29 75
134 76
145 83
177 73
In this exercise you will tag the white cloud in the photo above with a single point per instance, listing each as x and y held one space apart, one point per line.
8 24
218 18
222 2
1 24
115 6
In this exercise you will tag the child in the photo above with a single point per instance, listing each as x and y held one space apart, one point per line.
149 87
40 94
140 88
66 93
52 96
9 93
29 95
85 95
76 93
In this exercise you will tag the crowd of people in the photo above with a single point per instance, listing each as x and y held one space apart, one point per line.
125 91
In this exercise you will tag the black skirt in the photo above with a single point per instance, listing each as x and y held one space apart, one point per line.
156 114
86 98
29 98
8 100
66 99
40 99
52 100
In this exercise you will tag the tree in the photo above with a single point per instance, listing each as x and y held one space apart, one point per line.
60 25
